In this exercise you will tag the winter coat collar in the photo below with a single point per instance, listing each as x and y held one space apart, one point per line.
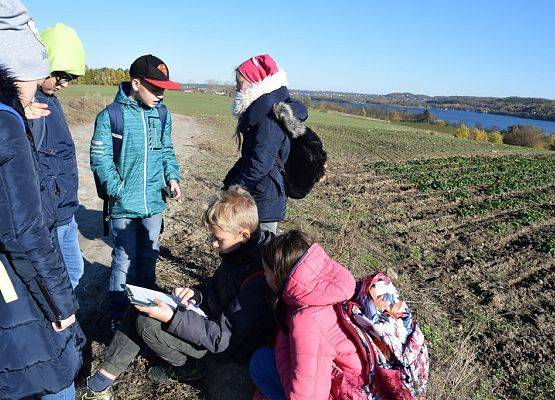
318 280
122 96
243 100
262 107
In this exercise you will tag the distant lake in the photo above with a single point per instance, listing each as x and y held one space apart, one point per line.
469 118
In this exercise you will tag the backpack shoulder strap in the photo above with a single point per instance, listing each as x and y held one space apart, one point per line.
9 109
116 126
250 278
163 114
278 161
361 339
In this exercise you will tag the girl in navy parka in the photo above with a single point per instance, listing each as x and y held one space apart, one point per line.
260 91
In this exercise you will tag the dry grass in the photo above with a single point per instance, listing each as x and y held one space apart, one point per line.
83 109
455 376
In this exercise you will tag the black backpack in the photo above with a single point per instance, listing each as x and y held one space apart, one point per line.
307 159
116 126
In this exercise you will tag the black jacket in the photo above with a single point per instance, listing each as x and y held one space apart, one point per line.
36 290
237 300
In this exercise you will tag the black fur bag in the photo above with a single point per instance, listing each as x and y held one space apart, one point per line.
307 159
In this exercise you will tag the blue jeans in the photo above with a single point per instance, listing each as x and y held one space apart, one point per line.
68 240
134 254
65 394
264 374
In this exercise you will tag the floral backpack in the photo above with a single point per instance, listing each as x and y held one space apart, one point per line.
389 341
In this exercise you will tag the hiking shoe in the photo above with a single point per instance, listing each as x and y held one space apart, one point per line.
191 371
104 395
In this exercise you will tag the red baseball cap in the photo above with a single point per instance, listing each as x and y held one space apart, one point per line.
153 70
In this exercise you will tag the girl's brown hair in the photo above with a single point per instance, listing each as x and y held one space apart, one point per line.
284 251
280 255
238 137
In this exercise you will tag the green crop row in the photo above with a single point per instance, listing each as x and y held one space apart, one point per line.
512 203
490 176
522 219
483 163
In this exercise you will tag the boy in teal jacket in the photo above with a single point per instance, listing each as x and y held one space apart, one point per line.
135 179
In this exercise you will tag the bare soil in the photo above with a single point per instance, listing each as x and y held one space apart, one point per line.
484 298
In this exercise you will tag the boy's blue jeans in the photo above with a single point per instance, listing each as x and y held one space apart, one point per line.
134 254
68 240
264 373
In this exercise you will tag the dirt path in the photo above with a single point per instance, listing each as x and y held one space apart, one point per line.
96 249
93 246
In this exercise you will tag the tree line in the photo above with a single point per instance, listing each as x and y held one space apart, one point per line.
524 107
516 135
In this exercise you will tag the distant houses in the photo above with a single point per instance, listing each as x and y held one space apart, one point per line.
220 90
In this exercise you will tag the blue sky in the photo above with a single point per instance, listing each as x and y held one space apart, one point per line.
476 48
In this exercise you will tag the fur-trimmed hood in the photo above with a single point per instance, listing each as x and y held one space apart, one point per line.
8 91
289 119
242 100
290 113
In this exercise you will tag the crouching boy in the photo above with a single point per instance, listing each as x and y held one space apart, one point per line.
235 299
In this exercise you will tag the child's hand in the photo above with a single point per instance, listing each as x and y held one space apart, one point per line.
162 312
35 110
61 325
184 295
175 189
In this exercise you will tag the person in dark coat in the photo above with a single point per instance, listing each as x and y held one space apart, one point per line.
236 302
40 341
261 84
54 143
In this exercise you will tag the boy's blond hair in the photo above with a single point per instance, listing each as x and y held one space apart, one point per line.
232 210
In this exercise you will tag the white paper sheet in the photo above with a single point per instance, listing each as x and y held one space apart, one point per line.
148 296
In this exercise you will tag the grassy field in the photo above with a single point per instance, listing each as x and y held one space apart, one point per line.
466 228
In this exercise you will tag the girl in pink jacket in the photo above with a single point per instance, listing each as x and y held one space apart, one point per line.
314 358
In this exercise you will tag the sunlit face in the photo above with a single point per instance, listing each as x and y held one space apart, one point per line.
241 84
27 90
226 242
271 278
147 93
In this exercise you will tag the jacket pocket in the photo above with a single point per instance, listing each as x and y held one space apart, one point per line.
131 192
157 180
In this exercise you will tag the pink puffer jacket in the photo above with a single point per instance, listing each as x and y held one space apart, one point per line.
316 360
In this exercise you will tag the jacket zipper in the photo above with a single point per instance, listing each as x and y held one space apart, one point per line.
145 160
49 299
